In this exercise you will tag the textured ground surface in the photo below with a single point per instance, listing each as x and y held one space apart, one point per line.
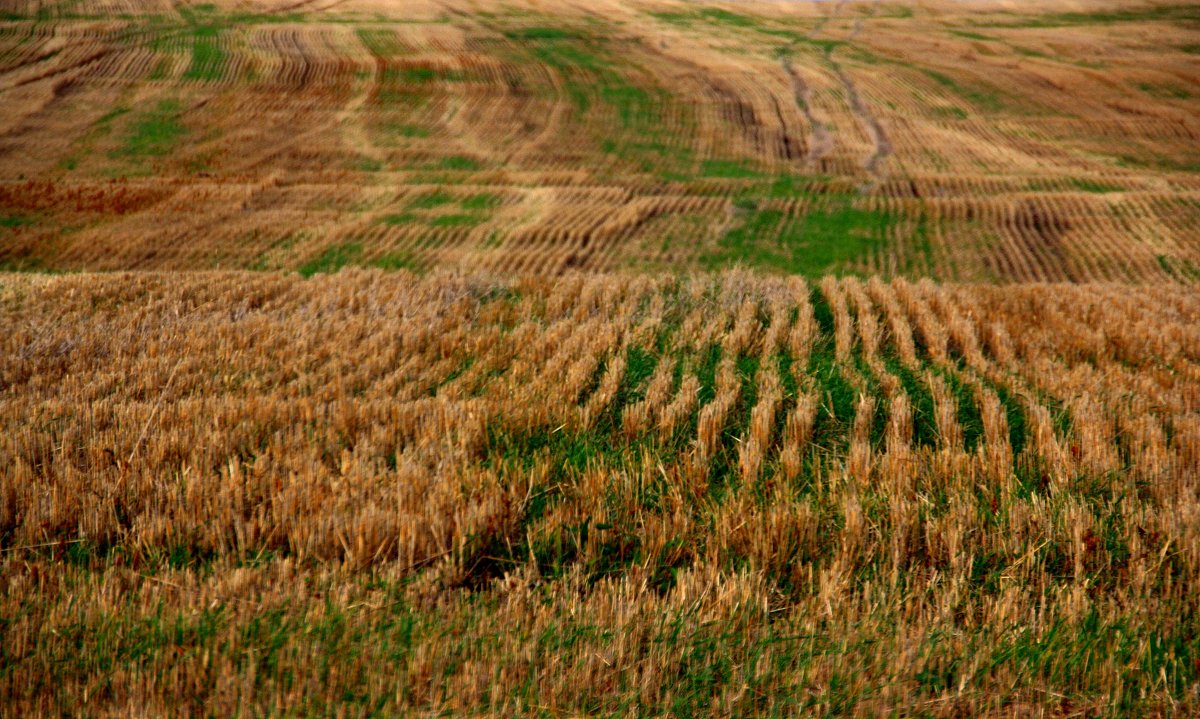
966 141
546 455
723 495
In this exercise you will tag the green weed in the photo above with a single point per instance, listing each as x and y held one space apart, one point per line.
395 261
11 221
403 218
729 169
406 131
1089 185
483 201
985 98
1182 13
1164 92
155 133
458 162
332 259
827 239
456 220
208 57
430 201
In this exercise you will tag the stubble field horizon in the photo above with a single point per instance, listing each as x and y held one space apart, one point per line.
620 358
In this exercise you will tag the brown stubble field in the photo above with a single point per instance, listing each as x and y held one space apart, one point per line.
995 144
621 358
715 495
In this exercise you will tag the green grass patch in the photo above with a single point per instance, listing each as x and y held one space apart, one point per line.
838 401
970 419
11 221
675 18
459 162
597 78
1184 163
827 239
1081 184
420 75
1029 52
1184 13
706 374
950 112
1014 414
924 414
973 35
540 34
1164 92
791 186
1088 185
716 16
639 365
725 17
880 413
1180 267
457 220
483 201
428 202
155 133
208 57
403 218
475 208
985 98
405 130
822 312
588 68
634 105
728 169
332 259
825 45
381 43
564 51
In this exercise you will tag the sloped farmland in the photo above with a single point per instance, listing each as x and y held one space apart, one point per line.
621 358
900 140
717 495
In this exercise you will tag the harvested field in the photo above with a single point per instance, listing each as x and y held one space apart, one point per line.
715 495
929 139
621 358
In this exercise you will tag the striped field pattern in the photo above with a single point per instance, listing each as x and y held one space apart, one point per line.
621 358
714 495
878 138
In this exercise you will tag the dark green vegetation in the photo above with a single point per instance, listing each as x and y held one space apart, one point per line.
208 57
154 133
1187 13
716 16
443 209
332 259
15 220
828 237
982 97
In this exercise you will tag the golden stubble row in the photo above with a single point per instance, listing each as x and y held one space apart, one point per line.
134 381
470 435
